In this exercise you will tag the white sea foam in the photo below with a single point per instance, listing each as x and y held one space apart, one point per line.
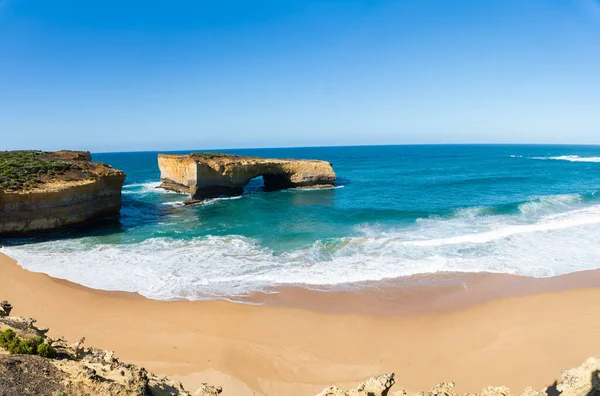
174 203
570 158
204 267
315 188
210 201
474 211
146 188
549 223
213 201
549 203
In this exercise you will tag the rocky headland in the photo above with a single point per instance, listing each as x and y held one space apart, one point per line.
46 191
208 175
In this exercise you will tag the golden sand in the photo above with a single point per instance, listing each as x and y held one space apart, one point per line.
476 336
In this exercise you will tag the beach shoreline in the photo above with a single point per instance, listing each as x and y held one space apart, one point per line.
417 295
475 329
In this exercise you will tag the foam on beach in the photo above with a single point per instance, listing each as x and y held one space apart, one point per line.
548 236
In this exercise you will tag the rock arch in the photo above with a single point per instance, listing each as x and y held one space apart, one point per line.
208 175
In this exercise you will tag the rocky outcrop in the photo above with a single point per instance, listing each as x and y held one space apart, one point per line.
374 386
67 189
78 371
207 175
581 381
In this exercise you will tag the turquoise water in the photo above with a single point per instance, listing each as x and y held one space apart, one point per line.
397 211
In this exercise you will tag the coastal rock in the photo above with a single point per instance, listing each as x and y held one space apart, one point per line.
495 391
42 192
208 390
580 381
583 380
374 386
443 389
5 308
207 175
78 371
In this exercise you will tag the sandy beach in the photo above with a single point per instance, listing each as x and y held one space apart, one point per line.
478 331
300 198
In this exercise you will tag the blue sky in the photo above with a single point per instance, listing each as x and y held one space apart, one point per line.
146 75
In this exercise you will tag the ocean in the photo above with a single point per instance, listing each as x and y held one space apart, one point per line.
396 211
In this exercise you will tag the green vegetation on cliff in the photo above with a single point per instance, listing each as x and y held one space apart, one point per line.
213 155
27 169
27 346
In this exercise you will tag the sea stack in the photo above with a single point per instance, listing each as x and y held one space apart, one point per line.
209 175
47 191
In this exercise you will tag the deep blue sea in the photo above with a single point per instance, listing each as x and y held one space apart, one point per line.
397 211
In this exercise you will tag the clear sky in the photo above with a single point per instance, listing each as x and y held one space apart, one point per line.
111 75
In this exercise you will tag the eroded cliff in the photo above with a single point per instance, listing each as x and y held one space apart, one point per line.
207 175
42 191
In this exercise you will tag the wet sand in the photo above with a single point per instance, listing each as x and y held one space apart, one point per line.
423 294
475 329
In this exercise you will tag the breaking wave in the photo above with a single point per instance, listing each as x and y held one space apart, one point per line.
546 236
145 188
570 158
552 203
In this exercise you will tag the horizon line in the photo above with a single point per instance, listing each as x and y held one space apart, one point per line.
346 145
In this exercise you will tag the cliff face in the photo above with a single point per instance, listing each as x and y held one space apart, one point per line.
84 191
210 175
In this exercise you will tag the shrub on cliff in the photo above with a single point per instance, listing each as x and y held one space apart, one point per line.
10 341
28 346
27 169
211 155
46 350
7 336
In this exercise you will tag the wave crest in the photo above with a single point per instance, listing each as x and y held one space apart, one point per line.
570 158
549 203
220 266
146 188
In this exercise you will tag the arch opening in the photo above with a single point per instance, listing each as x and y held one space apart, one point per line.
274 182
255 185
